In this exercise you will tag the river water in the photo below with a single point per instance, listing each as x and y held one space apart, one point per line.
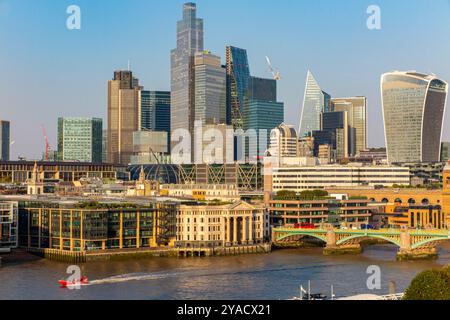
252 277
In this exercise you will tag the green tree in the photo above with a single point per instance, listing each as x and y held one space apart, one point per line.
430 285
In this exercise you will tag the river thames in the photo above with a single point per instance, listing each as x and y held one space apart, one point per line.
275 276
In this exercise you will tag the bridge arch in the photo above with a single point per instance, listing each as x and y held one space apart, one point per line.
369 236
301 235
422 243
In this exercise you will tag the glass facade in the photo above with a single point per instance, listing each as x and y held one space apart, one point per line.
155 111
210 89
356 108
445 151
262 115
189 42
262 89
80 139
315 102
5 140
238 74
413 110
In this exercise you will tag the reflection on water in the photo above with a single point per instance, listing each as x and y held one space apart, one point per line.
273 276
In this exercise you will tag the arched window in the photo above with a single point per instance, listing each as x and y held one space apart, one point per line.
425 201
412 201
385 200
398 200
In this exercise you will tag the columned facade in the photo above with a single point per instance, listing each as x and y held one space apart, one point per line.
213 226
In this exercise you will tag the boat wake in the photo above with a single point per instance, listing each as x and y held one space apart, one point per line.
130 277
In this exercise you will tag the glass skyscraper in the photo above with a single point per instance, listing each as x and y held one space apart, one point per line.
162 110
155 111
238 74
189 42
262 112
210 89
5 140
413 111
356 108
80 139
315 102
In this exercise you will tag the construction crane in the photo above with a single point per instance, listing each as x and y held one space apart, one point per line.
47 145
275 73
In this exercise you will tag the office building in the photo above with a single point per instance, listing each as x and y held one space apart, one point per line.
356 108
155 111
104 146
413 110
338 124
300 178
238 76
71 226
214 144
315 102
202 192
445 151
5 140
414 216
18 172
291 212
284 142
123 116
189 42
150 147
210 89
235 224
262 113
80 139
8 225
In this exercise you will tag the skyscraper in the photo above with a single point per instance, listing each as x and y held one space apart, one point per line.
445 151
5 140
238 74
123 116
337 123
262 112
210 89
155 111
315 102
80 139
356 108
413 111
189 42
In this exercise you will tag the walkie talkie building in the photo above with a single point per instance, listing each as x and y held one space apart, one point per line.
413 111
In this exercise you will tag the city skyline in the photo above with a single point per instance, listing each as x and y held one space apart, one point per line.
51 62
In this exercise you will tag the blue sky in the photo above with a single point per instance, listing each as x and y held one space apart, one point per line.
48 71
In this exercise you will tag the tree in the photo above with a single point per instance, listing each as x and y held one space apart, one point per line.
430 285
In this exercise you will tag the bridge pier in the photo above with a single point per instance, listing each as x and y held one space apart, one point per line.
417 254
333 249
342 250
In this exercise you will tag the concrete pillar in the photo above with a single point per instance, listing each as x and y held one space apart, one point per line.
235 226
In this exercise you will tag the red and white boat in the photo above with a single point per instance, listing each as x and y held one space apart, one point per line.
68 284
